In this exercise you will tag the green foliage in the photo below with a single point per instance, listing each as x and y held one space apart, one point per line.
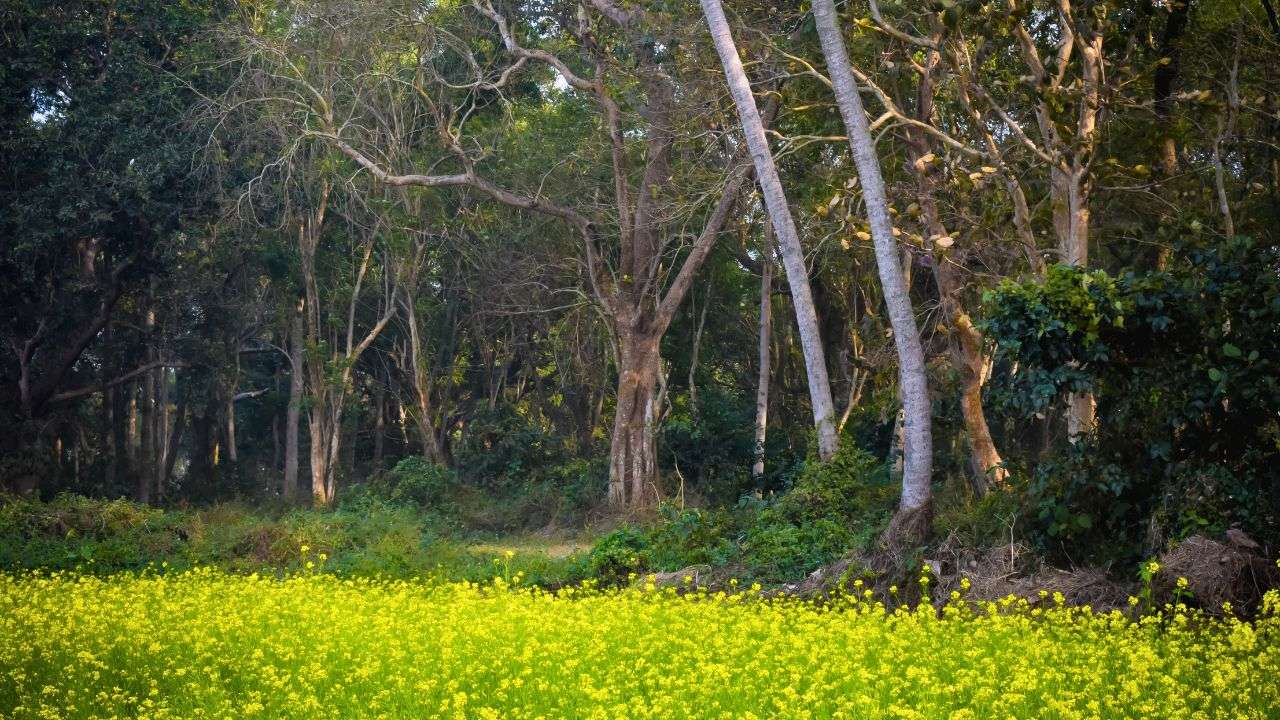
691 536
371 538
985 521
831 508
1057 328
714 448
503 446
516 473
620 556
414 481
1184 365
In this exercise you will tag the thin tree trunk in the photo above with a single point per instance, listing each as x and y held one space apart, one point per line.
379 424
294 410
233 452
133 436
788 238
693 358
857 381
175 437
766 335
918 445
1226 128
423 415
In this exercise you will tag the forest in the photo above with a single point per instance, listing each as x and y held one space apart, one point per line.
639 358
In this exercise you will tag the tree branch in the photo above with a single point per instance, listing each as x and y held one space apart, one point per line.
90 390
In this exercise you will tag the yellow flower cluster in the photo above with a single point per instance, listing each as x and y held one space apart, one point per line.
205 644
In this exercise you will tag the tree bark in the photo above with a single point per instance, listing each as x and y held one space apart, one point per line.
421 384
693 356
766 335
633 456
379 424
297 348
918 437
784 226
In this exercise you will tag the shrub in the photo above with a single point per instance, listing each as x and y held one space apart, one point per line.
415 482
1184 367
690 536
619 555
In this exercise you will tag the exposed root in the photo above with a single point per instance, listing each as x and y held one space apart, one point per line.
908 528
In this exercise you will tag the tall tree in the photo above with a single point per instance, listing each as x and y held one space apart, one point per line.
913 383
784 226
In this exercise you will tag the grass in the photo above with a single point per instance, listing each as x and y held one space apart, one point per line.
371 539
208 644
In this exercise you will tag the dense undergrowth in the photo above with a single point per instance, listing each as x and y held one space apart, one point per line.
419 520
205 644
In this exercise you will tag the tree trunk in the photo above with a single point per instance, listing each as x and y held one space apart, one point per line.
967 356
633 456
766 335
165 446
325 426
233 452
422 385
788 238
966 349
379 424
294 411
918 438
693 356
133 436
175 438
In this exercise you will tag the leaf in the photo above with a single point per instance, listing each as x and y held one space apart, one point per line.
1215 374
1231 351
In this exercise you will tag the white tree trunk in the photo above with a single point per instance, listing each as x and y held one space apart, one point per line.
788 238
766 334
918 438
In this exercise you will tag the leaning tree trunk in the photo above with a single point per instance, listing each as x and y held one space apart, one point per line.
911 522
966 343
633 455
780 215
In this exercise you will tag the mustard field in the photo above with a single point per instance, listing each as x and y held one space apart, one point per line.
205 644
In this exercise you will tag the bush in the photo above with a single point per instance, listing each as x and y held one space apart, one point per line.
830 509
502 447
690 537
618 556
980 522
414 481
1184 367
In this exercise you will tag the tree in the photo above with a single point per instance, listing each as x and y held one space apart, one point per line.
775 200
637 290
913 383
